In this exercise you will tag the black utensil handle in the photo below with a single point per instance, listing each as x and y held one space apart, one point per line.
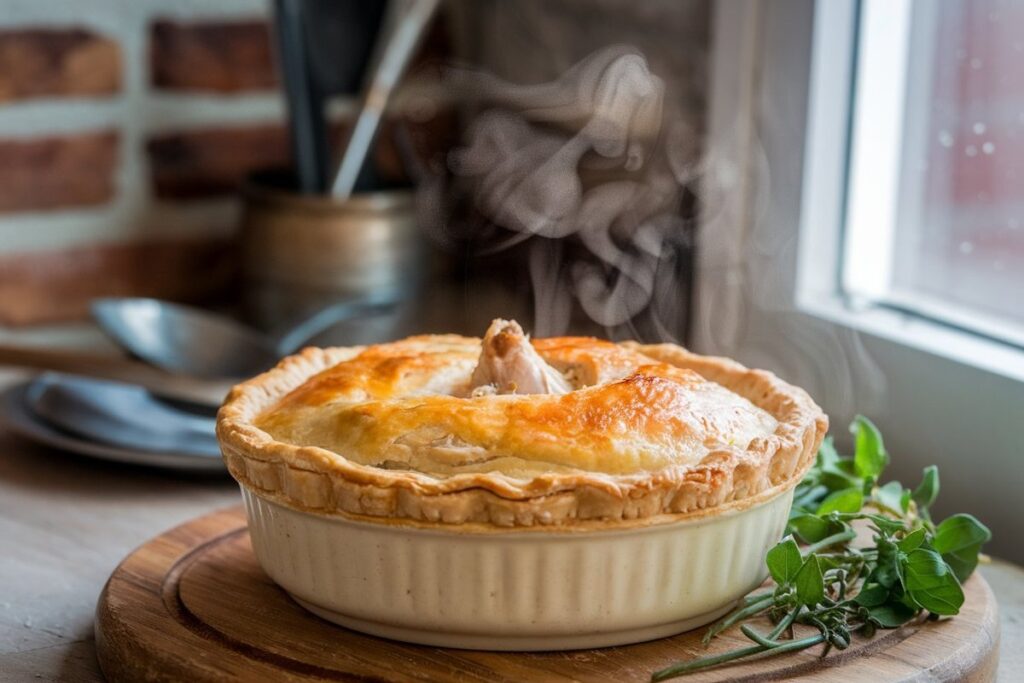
305 106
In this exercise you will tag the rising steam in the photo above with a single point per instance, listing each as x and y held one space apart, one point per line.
592 168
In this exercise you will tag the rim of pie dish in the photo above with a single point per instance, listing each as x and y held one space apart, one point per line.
719 476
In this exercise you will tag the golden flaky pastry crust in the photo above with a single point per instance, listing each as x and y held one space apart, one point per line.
644 435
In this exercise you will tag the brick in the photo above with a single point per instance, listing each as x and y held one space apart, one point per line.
55 172
210 162
211 56
65 62
57 286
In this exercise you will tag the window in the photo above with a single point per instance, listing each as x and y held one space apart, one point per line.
863 251
934 220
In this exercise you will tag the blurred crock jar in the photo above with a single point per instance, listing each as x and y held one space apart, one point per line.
301 252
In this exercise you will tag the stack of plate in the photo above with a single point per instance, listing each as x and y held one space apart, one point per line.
112 421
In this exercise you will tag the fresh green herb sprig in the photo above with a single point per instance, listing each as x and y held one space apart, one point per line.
913 566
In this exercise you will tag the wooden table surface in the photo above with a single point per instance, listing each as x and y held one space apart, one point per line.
66 522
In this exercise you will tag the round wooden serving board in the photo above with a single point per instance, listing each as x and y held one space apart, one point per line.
194 604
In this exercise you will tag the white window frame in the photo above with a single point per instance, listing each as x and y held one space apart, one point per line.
870 210
880 143
768 285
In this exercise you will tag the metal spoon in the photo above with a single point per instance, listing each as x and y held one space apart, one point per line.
200 343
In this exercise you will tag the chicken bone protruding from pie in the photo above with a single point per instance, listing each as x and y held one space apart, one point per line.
510 365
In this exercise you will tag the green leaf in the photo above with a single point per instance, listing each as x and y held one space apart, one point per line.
807 499
827 453
905 501
835 479
826 563
928 490
811 528
872 595
869 456
912 541
891 496
960 531
891 615
931 583
959 539
784 561
810 584
847 500
887 568
963 562
845 466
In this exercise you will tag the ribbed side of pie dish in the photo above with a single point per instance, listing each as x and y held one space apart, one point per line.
525 590
479 560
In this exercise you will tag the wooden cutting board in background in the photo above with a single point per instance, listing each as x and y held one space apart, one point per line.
194 604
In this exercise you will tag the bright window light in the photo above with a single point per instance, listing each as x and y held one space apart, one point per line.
875 162
935 198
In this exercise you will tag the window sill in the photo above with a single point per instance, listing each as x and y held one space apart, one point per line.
921 334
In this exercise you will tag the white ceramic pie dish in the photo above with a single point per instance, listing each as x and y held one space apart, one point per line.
529 589
386 494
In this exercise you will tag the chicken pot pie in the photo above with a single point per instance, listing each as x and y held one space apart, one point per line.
513 432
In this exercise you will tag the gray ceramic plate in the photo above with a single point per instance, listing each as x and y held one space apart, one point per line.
16 416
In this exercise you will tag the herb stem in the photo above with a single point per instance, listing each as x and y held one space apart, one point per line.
751 599
704 662
785 623
714 660
841 537
757 637
738 615
903 573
